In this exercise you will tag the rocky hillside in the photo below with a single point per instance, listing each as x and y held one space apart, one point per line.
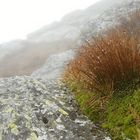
25 56
54 66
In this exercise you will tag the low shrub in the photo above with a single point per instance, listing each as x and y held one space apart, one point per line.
110 62
105 77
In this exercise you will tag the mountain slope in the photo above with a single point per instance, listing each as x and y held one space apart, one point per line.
61 36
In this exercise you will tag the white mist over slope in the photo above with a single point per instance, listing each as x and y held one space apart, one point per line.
54 65
19 17
60 36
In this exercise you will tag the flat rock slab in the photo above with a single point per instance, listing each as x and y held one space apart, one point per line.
31 109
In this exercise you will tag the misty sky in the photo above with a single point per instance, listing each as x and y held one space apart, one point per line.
19 17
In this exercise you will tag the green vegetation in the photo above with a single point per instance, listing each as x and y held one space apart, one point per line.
123 116
105 77
120 115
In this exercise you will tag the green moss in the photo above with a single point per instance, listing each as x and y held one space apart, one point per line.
84 98
123 116
120 115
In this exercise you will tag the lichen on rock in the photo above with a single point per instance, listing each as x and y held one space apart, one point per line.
33 109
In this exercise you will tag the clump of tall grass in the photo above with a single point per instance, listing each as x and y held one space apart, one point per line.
109 62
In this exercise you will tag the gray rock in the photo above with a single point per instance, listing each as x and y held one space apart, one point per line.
32 109
54 66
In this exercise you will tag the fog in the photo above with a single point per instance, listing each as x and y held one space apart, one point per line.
20 17
28 59
24 56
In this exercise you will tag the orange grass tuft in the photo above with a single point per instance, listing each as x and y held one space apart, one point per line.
110 62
